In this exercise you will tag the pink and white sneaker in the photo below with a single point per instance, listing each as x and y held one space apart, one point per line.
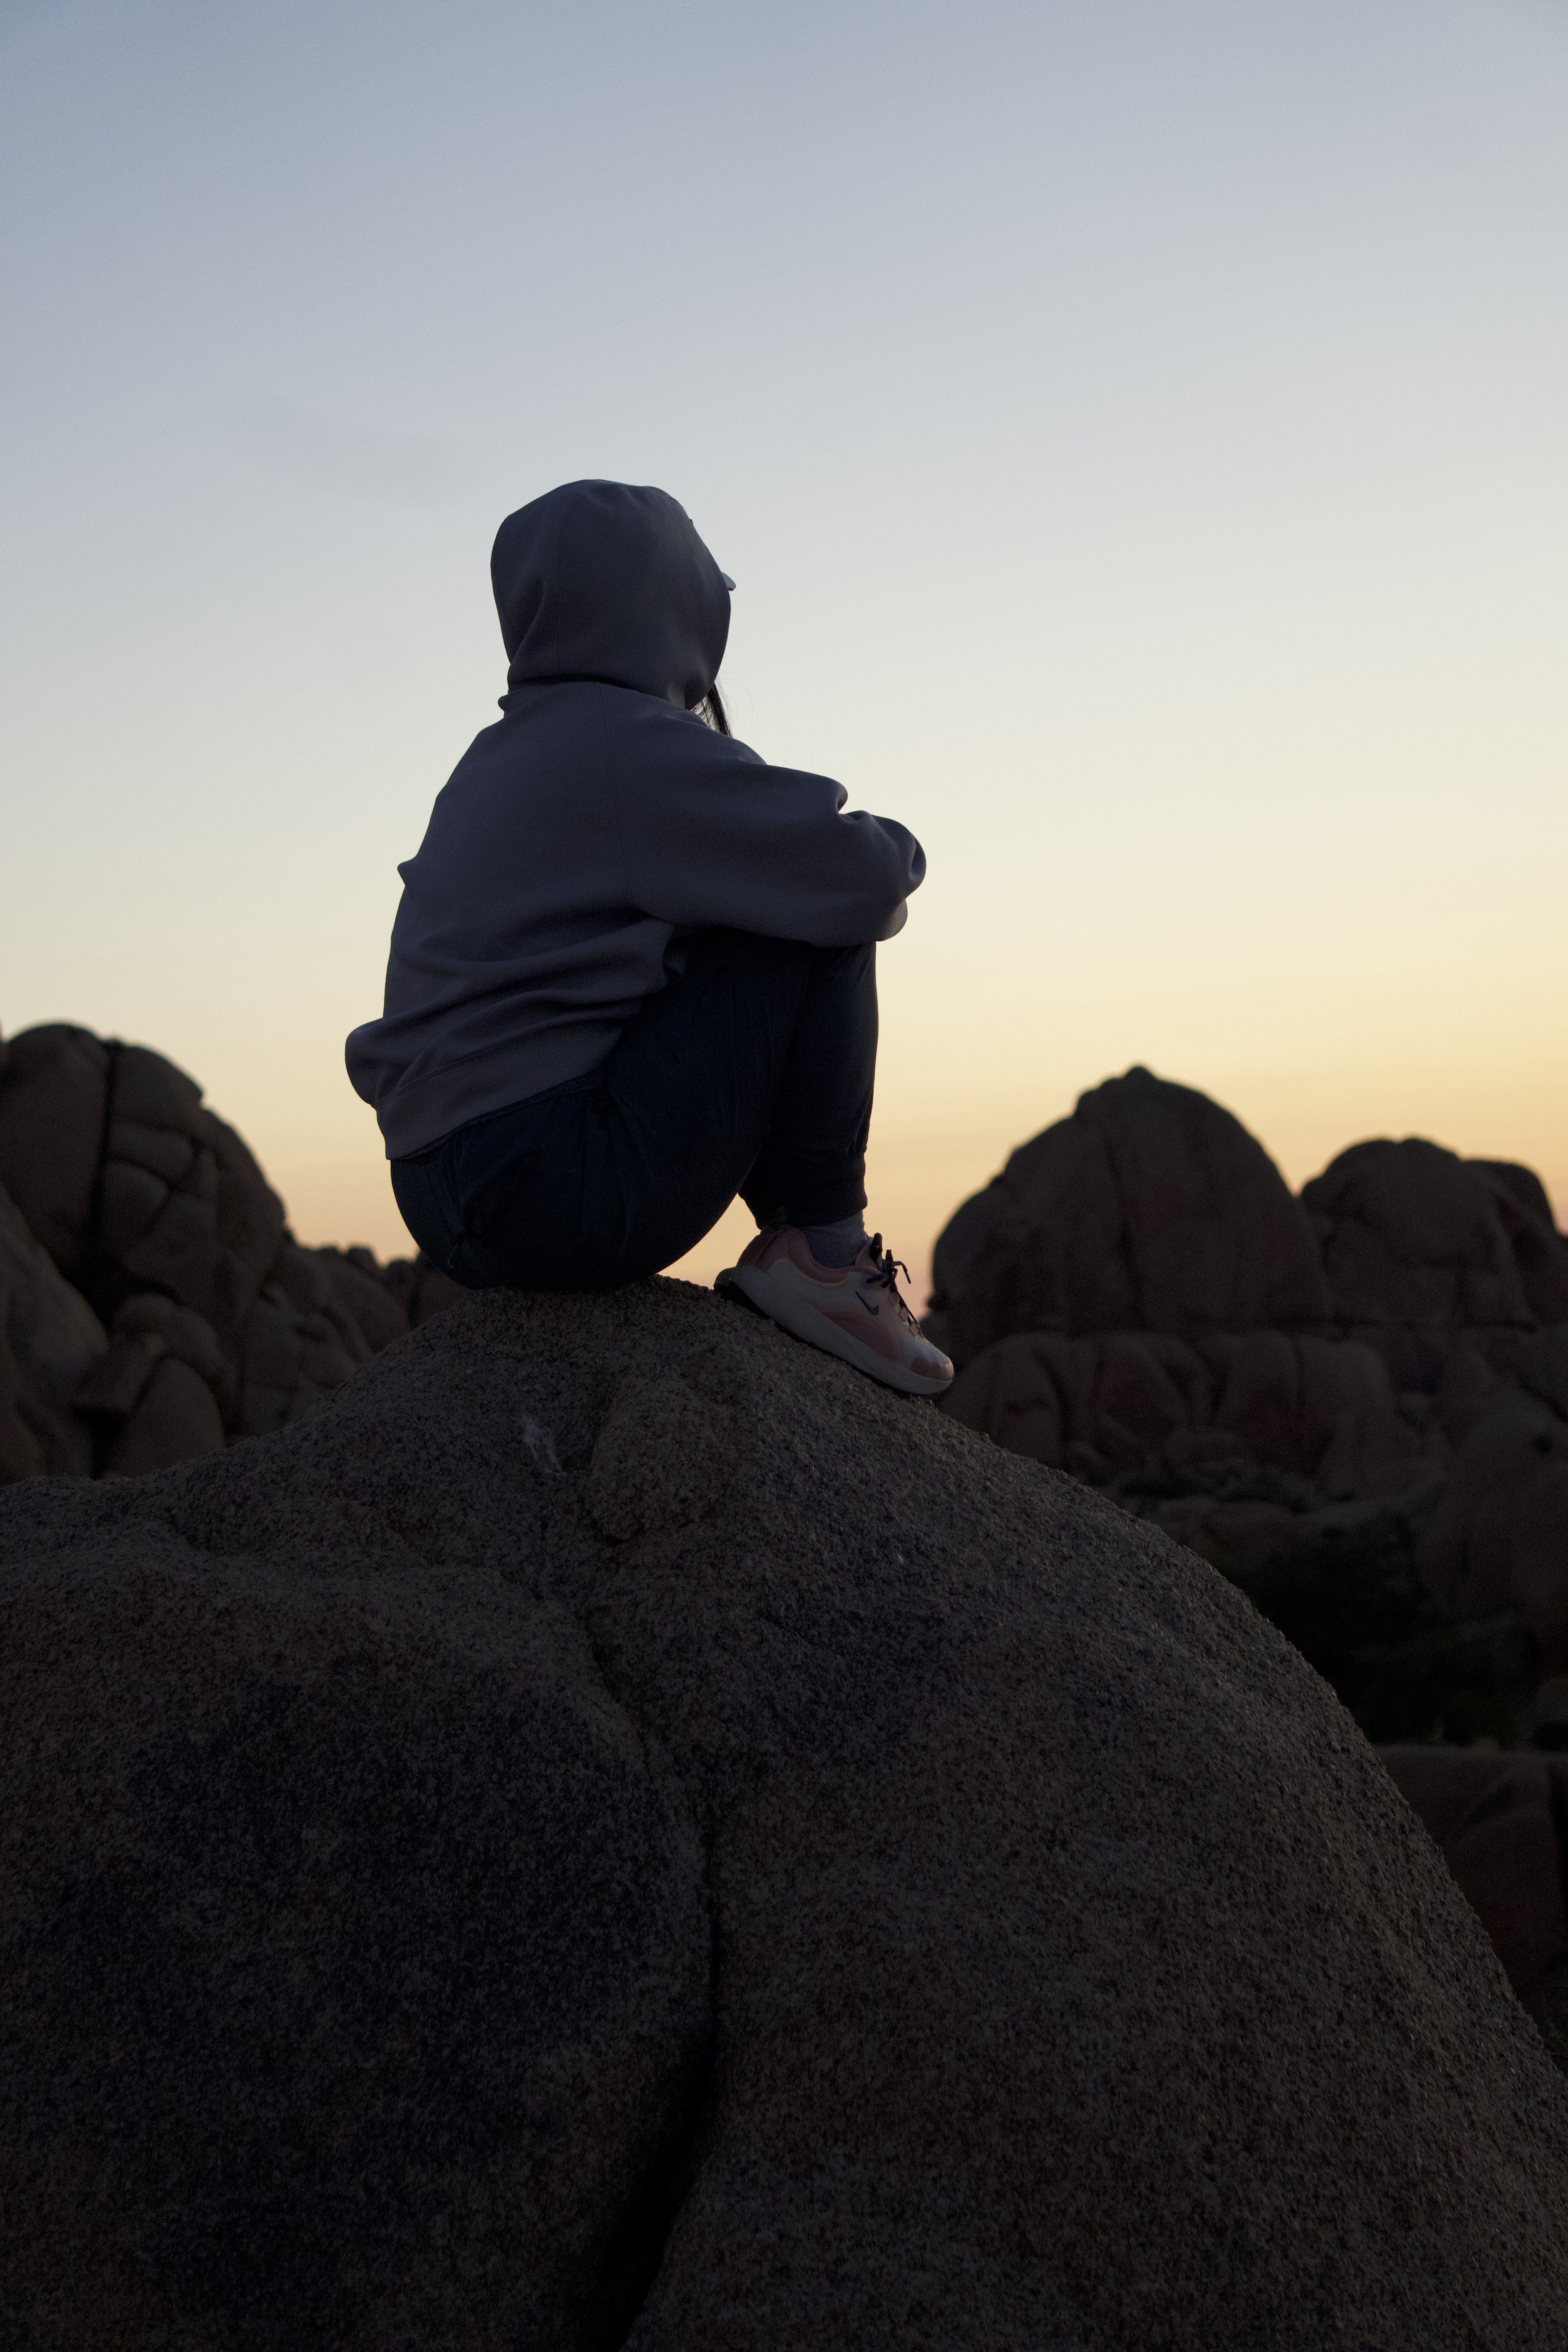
853 1311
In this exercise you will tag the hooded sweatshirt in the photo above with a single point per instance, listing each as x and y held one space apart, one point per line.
595 822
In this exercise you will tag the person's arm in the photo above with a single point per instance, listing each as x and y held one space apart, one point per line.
710 834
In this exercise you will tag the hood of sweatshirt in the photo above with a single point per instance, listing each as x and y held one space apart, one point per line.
603 580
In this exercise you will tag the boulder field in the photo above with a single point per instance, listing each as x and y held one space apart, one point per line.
1138 1297
613 1830
153 1304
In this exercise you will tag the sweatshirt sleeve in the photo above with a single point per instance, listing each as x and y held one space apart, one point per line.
710 834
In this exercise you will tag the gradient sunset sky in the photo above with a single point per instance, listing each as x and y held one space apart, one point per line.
1136 428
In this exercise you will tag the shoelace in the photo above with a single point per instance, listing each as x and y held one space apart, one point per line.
886 1277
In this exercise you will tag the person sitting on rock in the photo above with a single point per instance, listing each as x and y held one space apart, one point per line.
632 972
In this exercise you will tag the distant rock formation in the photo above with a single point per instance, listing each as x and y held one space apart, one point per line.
50 1340
156 1304
1500 1822
1150 1209
1138 1298
1321 1409
614 1829
1415 1239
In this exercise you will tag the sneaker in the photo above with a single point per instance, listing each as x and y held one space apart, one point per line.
853 1311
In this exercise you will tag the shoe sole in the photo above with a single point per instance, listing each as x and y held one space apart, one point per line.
803 1322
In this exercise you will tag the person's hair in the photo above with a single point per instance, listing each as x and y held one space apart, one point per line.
712 711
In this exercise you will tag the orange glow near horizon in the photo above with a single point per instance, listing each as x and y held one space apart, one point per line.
923 1163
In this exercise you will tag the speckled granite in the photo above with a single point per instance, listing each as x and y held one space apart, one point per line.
617 1824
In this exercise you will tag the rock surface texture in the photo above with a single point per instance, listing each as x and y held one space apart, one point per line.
50 1341
1136 1291
614 1829
1502 1822
167 1257
1414 1236
1138 1299
1150 1209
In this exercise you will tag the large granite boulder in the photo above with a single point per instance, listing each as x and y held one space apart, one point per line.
1501 1822
50 1341
615 1823
140 1194
1318 1409
1499 1539
128 1180
1413 1235
1419 1312
1150 1209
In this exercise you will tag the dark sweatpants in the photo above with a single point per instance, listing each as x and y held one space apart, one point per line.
750 1071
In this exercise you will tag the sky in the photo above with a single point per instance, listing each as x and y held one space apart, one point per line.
1135 429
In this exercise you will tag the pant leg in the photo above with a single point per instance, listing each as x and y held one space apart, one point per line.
462 1199
428 1203
810 1170
612 1176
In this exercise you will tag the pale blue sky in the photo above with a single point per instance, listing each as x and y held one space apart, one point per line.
1136 431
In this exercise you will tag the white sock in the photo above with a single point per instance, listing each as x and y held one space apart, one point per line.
839 1245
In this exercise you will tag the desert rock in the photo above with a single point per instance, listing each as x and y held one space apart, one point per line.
128 1181
139 1191
420 1288
358 1285
1150 1209
614 1821
1499 1539
1495 1817
1414 1234
183 1334
1079 1294
49 1341
174 1419
1320 1408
